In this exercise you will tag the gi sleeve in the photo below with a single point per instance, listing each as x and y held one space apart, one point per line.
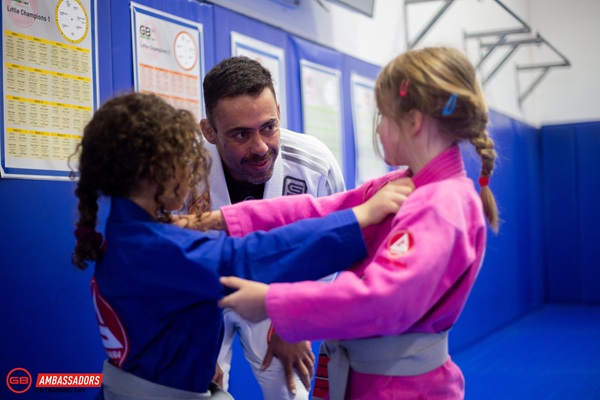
249 216
422 258
307 250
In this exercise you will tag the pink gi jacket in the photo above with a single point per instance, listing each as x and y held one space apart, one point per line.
421 266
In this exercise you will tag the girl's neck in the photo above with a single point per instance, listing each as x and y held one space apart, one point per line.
143 196
428 144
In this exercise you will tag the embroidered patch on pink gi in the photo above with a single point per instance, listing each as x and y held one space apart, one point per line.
399 243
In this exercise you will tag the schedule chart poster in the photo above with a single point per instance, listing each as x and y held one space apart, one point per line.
364 111
168 57
322 105
48 83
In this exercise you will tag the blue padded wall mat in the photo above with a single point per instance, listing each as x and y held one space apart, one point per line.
571 194
49 321
561 235
587 137
510 282
550 354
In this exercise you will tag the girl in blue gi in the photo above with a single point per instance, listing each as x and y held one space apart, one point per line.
156 286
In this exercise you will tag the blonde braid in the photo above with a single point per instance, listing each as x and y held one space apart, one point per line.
484 146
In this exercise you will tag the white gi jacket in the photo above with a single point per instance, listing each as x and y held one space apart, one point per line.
304 165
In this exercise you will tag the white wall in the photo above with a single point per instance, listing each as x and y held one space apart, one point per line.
375 40
566 94
573 94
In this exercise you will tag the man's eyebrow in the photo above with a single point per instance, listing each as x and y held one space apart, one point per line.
237 129
272 121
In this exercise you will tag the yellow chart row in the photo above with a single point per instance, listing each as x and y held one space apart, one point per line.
22 48
40 145
42 83
24 112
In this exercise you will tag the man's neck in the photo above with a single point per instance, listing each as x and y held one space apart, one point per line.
242 190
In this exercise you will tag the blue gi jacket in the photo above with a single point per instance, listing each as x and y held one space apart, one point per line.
163 284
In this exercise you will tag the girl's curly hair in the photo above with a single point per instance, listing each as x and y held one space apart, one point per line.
132 138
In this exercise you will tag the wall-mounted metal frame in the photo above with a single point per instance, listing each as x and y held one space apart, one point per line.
412 43
289 3
500 38
538 40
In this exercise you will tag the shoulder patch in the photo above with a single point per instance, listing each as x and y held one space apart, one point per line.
399 243
113 334
293 186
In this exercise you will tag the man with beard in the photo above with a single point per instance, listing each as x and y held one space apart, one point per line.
254 158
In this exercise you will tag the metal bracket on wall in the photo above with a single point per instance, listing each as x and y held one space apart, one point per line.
502 40
447 3
544 67
412 43
289 3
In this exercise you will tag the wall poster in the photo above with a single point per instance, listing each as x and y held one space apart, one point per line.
168 57
322 105
49 87
364 110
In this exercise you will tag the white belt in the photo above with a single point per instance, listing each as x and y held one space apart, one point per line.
120 385
403 355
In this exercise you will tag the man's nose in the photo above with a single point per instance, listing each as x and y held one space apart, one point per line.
259 146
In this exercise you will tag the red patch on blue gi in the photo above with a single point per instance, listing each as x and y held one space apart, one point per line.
113 334
399 243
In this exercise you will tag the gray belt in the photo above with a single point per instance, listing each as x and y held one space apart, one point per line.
409 354
120 385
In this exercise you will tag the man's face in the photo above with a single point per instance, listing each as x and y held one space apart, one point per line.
247 136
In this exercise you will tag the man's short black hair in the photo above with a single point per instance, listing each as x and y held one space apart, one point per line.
235 76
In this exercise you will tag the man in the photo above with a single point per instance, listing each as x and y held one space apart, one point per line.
254 158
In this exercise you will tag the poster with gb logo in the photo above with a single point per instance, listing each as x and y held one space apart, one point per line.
168 57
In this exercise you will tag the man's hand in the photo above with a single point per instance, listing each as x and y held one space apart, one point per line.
249 300
298 356
209 221
218 376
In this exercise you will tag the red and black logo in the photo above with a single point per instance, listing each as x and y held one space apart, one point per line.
18 380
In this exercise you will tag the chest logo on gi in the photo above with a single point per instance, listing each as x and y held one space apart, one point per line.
112 332
293 186
399 243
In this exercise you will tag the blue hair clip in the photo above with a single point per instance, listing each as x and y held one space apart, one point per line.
450 105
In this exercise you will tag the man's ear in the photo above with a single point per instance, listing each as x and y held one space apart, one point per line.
208 131
415 121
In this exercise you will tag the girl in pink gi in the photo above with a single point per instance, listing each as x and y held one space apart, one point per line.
390 314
